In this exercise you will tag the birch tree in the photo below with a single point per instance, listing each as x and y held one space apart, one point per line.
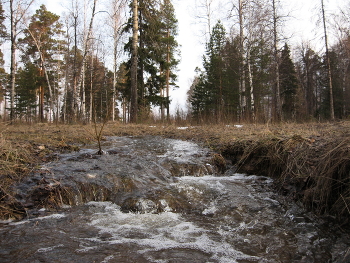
242 89
117 23
253 20
18 11
80 86
3 75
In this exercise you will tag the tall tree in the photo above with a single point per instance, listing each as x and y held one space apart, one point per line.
18 11
309 70
117 23
41 45
27 84
214 94
3 75
152 52
329 71
133 69
204 12
254 34
277 91
288 84
214 66
242 84
79 88
169 63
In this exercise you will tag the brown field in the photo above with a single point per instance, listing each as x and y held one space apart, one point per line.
309 162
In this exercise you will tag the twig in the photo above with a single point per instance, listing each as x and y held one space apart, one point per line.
346 205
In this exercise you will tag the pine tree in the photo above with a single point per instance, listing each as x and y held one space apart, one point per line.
208 95
155 54
169 43
310 67
260 57
288 84
215 67
40 45
28 81
199 98
231 89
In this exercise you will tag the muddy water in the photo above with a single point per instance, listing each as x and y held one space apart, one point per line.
159 200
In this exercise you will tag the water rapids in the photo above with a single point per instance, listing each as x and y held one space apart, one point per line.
151 199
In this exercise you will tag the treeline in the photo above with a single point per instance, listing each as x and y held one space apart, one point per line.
250 74
118 61
61 66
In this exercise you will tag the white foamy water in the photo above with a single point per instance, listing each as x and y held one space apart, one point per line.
159 232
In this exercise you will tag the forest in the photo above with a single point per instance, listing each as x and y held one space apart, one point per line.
60 71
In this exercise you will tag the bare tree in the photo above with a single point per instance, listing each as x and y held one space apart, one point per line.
242 88
277 93
18 11
117 22
328 62
87 39
253 30
341 25
71 101
38 43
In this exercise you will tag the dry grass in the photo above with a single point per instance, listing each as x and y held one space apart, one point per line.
310 161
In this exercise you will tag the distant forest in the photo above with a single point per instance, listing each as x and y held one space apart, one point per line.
60 70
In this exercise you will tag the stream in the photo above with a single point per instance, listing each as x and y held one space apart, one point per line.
150 199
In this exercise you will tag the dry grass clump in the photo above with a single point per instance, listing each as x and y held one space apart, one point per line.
331 190
15 163
315 170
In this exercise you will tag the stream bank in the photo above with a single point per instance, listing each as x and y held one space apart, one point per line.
309 162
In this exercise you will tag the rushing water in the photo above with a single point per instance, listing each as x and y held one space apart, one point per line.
162 202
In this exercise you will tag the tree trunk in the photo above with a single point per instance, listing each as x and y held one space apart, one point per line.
135 28
117 9
81 79
242 88
328 64
74 104
114 74
91 90
250 76
277 93
41 99
168 78
13 62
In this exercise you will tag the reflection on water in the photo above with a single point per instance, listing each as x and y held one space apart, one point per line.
176 211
